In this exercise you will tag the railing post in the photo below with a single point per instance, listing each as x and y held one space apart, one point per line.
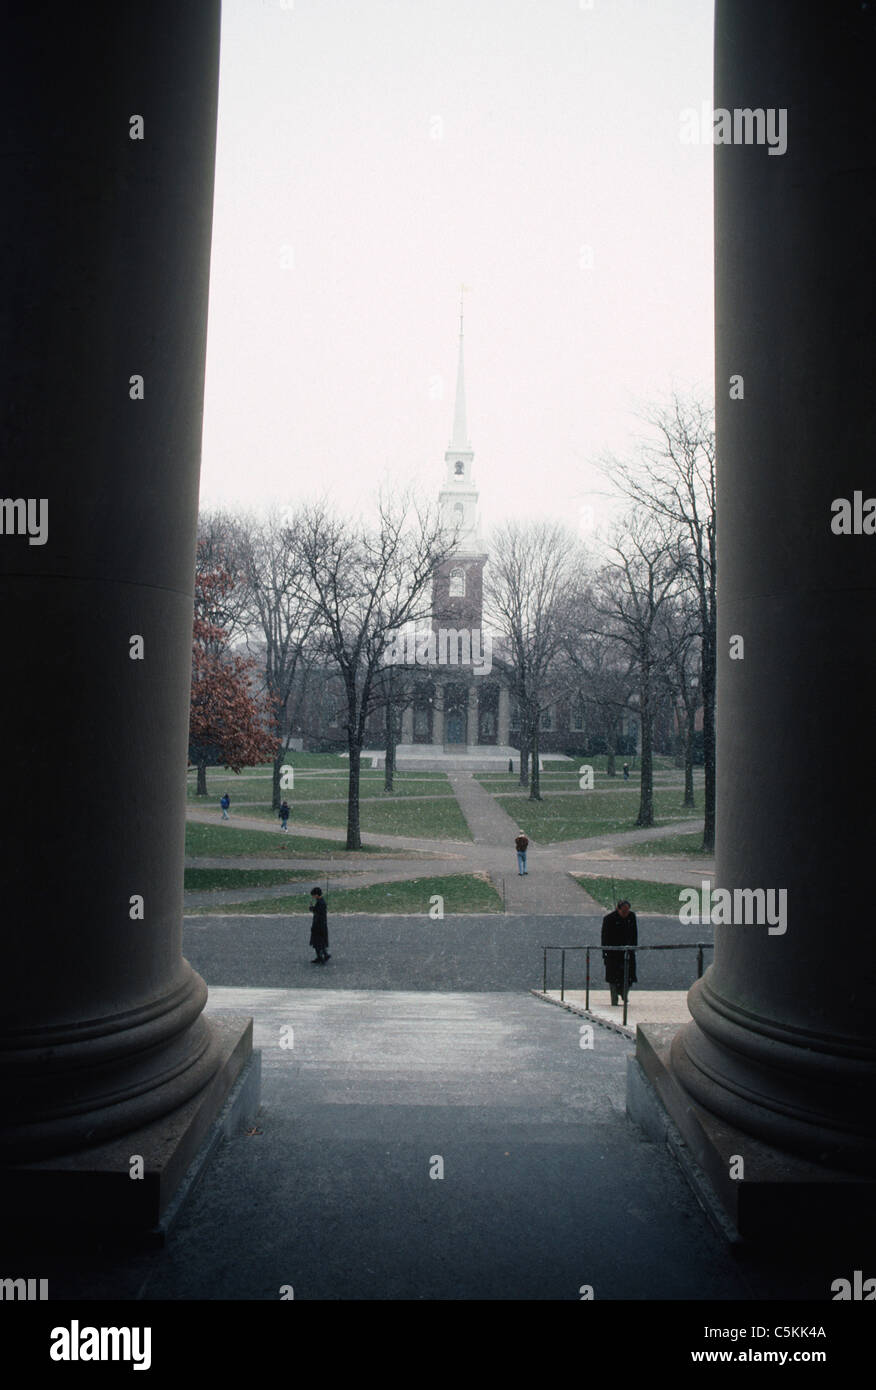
626 983
587 982
562 974
699 962
544 972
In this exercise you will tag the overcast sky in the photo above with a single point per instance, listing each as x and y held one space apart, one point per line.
373 155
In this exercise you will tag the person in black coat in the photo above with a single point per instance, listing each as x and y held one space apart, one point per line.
619 928
319 928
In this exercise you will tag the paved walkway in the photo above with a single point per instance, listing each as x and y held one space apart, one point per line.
544 1184
548 889
494 833
412 951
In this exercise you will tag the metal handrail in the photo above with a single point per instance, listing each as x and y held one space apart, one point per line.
698 946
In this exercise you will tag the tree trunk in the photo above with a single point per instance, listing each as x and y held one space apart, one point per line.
524 753
646 800
611 754
389 766
202 780
354 838
690 732
708 688
678 757
534 783
276 798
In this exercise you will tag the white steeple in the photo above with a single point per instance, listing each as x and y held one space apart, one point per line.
458 498
460 438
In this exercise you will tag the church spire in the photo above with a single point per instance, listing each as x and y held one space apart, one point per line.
460 437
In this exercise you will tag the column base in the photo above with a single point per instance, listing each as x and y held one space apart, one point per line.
778 1195
91 1192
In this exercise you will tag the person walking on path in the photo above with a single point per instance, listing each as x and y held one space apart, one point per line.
284 816
319 928
626 772
225 803
521 844
619 928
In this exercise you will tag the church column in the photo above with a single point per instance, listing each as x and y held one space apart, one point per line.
504 716
109 134
472 736
438 714
407 723
783 1042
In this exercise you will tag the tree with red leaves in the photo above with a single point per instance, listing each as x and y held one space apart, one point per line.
229 724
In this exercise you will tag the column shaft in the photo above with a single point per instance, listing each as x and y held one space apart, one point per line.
472 735
103 277
784 1038
438 714
504 716
407 724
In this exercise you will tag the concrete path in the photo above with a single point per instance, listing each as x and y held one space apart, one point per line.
546 886
471 953
430 1147
548 889
420 843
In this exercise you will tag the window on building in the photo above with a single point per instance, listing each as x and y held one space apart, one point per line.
515 715
457 583
459 468
546 721
578 718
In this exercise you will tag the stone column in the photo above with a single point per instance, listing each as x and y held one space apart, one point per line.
783 1042
407 724
504 716
108 130
438 715
472 736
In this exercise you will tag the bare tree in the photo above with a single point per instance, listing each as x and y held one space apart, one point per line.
367 584
605 673
679 637
395 689
528 593
674 477
630 593
219 550
280 613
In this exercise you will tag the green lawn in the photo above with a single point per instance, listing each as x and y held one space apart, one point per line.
643 896
226 841
439 820
567 779
688 845
461 893
252 788
583 814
